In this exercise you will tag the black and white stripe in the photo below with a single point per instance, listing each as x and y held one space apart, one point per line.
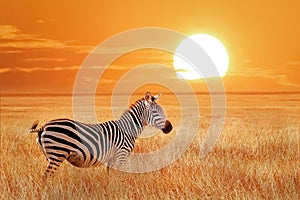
86 145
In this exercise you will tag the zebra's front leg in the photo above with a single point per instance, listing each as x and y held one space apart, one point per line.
117 161
110 164
120 159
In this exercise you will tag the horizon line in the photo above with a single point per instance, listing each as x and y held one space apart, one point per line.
121 94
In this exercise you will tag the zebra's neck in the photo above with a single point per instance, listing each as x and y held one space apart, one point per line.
131 122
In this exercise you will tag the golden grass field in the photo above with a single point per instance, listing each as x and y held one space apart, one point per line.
256 157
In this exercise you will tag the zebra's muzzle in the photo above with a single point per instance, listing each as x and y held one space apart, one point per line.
168 127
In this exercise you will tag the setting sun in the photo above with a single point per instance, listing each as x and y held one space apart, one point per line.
215 50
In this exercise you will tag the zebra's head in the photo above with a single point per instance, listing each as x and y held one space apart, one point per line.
155 115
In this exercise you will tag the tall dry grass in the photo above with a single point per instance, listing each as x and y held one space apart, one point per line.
256 157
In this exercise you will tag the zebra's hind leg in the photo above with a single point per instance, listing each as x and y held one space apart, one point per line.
53 165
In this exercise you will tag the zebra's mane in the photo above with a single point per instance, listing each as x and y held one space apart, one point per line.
138 102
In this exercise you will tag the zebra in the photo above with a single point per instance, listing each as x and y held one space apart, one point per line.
88 145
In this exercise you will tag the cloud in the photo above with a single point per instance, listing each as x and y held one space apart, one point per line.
8 32
33 69
10 51
292 63
44 59
100 50
3 70
249 68
29 42
40 21
286 75
12 37
24 52
84 49
291 70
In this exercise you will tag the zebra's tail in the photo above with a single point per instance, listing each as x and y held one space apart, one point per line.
33 128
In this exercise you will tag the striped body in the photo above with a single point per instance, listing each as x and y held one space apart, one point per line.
87 145
83 145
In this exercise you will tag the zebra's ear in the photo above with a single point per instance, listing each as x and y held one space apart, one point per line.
156 97
148 97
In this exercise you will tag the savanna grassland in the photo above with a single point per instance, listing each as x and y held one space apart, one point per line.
256 157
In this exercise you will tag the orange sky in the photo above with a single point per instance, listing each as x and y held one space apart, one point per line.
42 45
